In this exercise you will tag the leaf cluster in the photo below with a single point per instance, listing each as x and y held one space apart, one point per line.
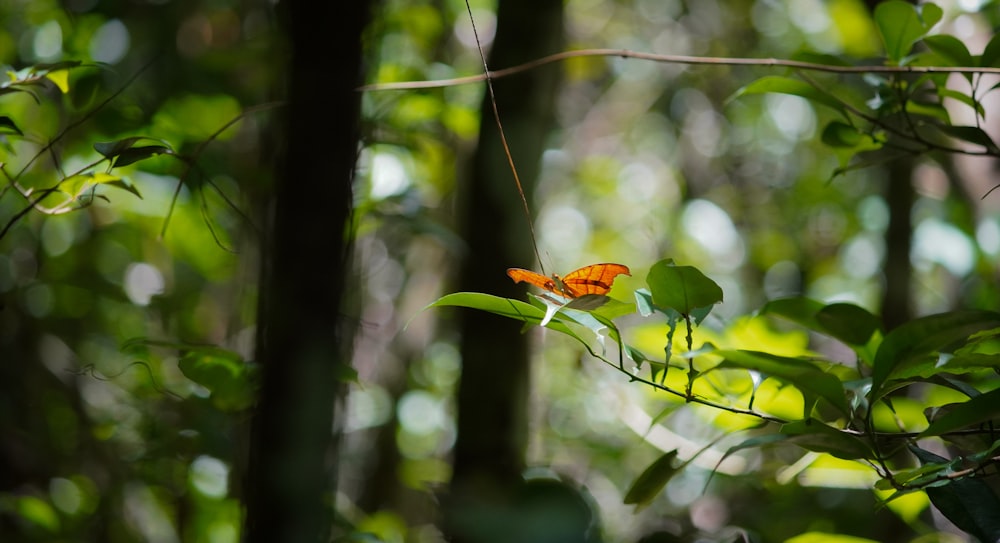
841 403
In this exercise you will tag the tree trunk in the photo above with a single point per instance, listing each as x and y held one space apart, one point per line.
493 391
302 345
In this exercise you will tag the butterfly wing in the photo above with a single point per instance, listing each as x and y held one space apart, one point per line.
593 279
537 279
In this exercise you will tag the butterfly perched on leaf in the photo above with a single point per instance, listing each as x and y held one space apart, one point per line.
593 279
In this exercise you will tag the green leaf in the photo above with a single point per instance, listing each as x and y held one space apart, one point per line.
810 380
7 126
815 436
798 309
845 322
969 503
116 149
934 110
971 134
135 154
973 412
930 14
652 480
510 308
788 85
951 49
991 54
849 323
681 288
899 26
224 373
945 92
840 134
924 337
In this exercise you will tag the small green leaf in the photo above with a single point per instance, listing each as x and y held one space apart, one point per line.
971 134
60 78
787 85
681 288
991 54
652 480
840 134
970 413
899 26
135 154
224 373
934 110
38 512
930 15
7 126
945 92
112 149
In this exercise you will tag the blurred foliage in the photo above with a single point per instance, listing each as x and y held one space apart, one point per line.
125 357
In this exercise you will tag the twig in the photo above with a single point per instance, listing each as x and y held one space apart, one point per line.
672 59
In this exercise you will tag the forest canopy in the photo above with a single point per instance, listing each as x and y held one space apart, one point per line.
262 271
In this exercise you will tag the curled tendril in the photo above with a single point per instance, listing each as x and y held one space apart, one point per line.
91 371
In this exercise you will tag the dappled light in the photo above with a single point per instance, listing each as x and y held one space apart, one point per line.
673 271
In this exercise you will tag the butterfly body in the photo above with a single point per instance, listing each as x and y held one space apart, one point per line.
593 279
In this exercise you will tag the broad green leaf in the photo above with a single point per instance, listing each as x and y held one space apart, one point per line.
815 436
510 308
7 126
969 503
652 480
682 288
971 134
799 309
924 337
899 26
796 87
809 379
849 323
973 412
845 322
951 49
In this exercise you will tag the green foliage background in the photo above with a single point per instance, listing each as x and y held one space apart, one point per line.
126 339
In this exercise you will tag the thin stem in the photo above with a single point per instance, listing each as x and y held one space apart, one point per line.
672 59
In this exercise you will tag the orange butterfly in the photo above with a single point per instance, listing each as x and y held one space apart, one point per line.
593 279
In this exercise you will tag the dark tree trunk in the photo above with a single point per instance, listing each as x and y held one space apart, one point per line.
896 300
301 339
493 391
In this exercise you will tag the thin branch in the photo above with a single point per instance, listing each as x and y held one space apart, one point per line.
192 160
673 59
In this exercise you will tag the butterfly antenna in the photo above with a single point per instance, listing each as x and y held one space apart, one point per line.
503 138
